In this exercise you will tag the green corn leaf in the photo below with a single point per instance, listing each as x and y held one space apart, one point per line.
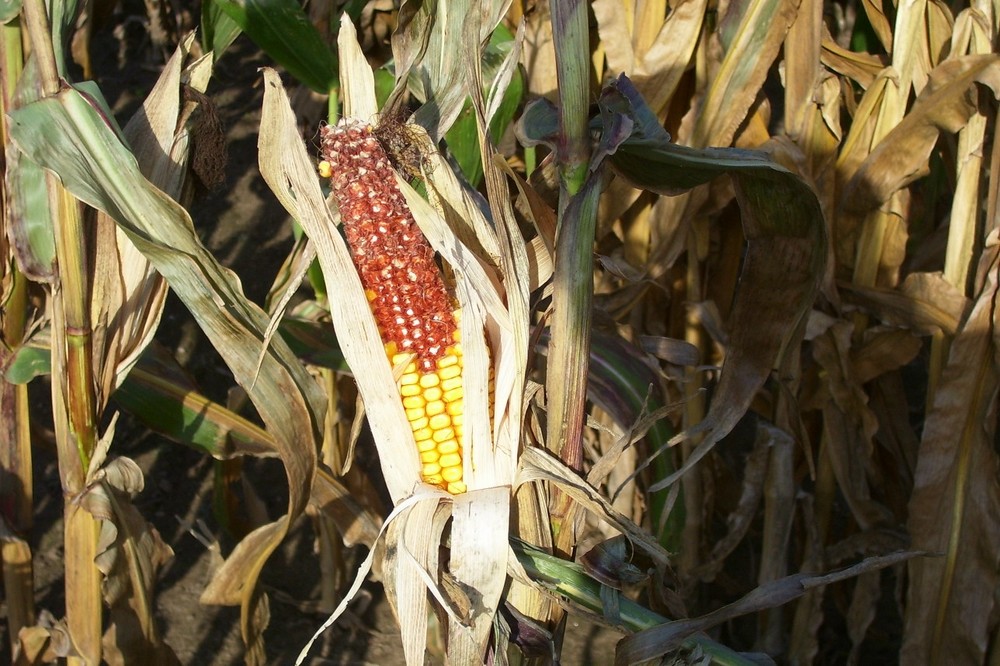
282 29
463 137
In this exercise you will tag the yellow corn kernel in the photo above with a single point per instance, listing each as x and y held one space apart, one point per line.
452 474
430 380
453 395
455 409
448 446
325 169
449 373
409 379
423 434
410 390
414 402
439 422
432 394
449 460
414 414
456 487
433 408
428 457
448 360
443 435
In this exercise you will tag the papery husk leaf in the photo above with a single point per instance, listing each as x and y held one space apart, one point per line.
412 542
68 136
479 562
901 157
504 241
422 495
482 308
357 82
537 465
955 505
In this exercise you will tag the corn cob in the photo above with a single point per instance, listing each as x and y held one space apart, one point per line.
414 311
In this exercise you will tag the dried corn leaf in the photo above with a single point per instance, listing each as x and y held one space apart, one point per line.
748 57
946 104
659 640
784 228
67 135
128 293
862 68
955 506
653 50
849 426
924 303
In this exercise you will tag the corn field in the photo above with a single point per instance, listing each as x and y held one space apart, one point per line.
677 318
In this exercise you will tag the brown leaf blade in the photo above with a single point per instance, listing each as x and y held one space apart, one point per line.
955 506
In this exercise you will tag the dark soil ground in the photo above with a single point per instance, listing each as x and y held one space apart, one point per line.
242 224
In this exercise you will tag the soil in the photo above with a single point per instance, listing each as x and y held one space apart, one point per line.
243 225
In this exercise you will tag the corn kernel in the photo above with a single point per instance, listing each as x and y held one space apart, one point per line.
429 380
450 372
410 390
414 402
453 395
433 393
433 478
408 380
419 424
443 435
432 409
414 414
422 434
428 457
449 460
457 487
449 446
456 409
447 360
452 474
439 421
